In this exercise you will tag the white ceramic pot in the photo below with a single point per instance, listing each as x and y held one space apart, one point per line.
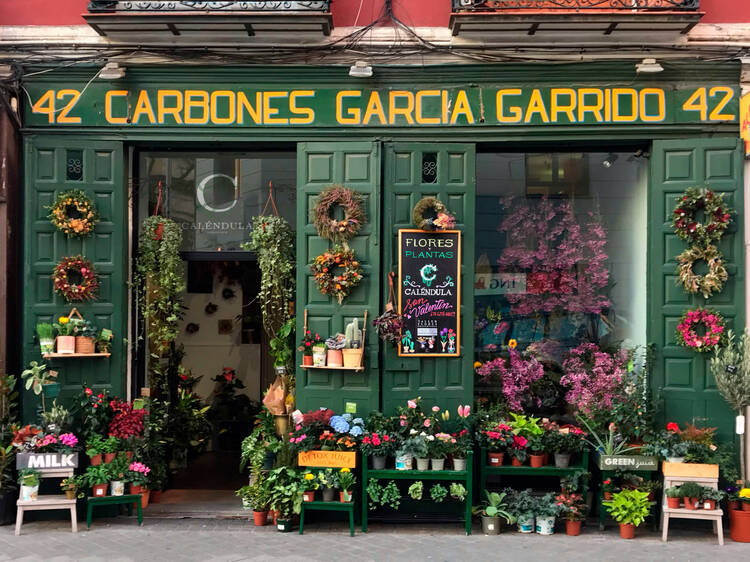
118 487
29 493
47 346
423 464
459 464
438 464
545 525
319 358
562 460
526 523
404 462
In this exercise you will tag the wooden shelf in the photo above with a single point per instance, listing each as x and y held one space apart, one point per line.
65 355
360 368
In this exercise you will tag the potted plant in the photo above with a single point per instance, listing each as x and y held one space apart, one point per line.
104 340
41 381
286 496
308 485
109 448
352 352
97 477
29 479
307 345
457 491
416 490
629 508
565 444
437 450
523 507
329 481
139 480
710 497
546 511
244 494
377 446
492 511
86 334
335 345
574 510
409 449
674 497
438 493
260 498
66 341
95 450
72 486
691 494
608 488
497 439
346 481
518 451
739 519
535 448
118 470
319 354
45 332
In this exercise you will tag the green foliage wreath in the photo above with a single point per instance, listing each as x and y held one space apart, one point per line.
716 214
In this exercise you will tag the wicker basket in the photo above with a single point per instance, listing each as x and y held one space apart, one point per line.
84 344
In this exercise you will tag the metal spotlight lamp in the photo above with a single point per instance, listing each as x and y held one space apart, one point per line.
360 69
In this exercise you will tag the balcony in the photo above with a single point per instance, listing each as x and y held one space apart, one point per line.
190 22
574 21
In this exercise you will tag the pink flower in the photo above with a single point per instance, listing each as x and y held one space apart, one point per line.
427 422
403 423
411 403
68 439
435 408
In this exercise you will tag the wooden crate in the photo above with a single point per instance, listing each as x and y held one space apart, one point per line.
690 470
328 459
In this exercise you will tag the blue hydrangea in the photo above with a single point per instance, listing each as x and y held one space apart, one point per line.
339 424
356 431
347 417
358 421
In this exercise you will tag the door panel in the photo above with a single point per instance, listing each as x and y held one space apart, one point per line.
445 171
53 165
357 166
688 389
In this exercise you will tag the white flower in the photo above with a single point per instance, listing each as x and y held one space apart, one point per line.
430 438
412 432
297 416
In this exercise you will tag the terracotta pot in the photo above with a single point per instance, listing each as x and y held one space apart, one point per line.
709 504
739 525
307 360
275 516
308 496
690 502
109 457
573 528
627 531
260 518
536 461
66 344
607 495
673 503
515 462
155 496
85 344
335 358
546 459
732 504
100 490
495 459
95 460
143 491
745 506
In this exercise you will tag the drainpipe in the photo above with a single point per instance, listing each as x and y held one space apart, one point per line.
745 87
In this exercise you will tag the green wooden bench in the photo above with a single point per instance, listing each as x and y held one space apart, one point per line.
127 500
327 506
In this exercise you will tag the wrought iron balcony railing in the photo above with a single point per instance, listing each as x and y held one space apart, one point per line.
155 6
574 5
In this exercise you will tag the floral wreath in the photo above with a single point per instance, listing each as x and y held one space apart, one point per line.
713 323
73 213
443 221
707 284
717 215
338 231
82 291
337 285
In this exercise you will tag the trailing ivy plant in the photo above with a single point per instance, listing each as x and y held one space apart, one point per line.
159 283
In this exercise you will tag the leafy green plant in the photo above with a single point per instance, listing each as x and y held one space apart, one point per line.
258 494
99 474
526 426
691 490
495 506
261 441
712 494
29 477
611 443
522 503
391 496
546 506
286 492
416 489
346 479
438 492
415 446
674 492
458 491
374 491
574 482
629 507
74 484
36 377
44 331
7 454
110 445
328 478
280 344
56 418
95 446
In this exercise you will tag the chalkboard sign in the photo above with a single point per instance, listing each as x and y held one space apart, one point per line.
429 293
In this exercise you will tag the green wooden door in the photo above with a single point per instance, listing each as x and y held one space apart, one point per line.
445 171
688 390
55 164
357 166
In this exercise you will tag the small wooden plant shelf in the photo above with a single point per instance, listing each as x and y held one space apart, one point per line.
65 355
358 368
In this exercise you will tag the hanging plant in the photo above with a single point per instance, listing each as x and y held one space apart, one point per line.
701 329
272 240
159 280
338 231
75 279
442 220
73 213
337 272
716 215
711 282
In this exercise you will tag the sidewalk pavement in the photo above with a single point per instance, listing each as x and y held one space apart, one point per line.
162 540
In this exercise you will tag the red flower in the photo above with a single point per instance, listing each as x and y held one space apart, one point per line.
89 392
673 427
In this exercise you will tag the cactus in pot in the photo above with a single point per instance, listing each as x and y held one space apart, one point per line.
353 335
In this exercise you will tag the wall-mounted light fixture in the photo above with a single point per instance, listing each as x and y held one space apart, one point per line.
648 66
360 69
112 71
609 160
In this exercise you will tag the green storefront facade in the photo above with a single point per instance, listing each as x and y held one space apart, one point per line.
374 135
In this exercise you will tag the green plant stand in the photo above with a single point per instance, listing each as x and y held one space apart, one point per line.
327 506
486 470
127 500
465 477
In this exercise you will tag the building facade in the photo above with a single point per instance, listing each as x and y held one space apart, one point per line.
578 124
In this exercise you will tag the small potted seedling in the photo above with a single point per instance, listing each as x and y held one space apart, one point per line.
674 496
